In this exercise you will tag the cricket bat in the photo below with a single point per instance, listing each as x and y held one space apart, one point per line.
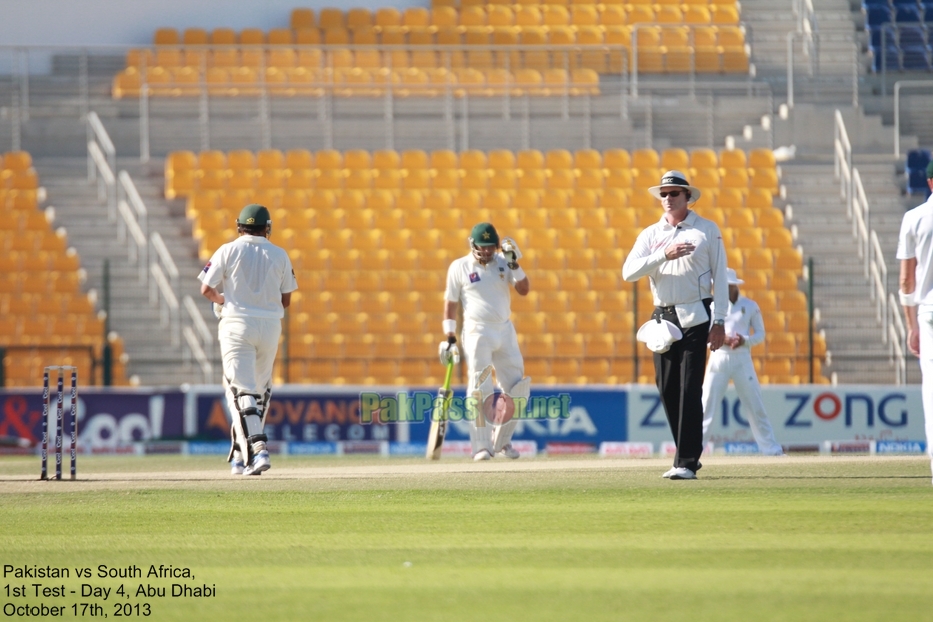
439 424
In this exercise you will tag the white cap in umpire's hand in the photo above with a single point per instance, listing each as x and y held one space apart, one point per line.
658 335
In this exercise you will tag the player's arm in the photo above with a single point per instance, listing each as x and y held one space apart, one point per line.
512 254
908 283
450 314
212 294
641 260
757 326
286 300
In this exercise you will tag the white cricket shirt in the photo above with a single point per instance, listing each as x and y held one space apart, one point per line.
484 291
916 242
254 273
683 282
743 317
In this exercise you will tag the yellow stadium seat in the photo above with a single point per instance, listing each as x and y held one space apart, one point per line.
780 344
732 158
798 321
754 280
735 178
646 158
759 198
778 237
791 300
703 159
764 179
640 13
761 158
697 14
724 15
739 217
758 259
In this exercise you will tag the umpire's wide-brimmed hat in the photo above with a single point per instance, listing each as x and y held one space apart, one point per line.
676 179
732 278
658 335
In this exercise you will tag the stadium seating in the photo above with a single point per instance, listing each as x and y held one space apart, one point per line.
701 37
898 33
373 255
915 170
48 320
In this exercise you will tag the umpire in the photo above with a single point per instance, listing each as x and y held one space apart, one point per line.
683 257
257 281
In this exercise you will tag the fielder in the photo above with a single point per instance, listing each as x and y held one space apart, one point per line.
744 329
257 281
915 252
481 282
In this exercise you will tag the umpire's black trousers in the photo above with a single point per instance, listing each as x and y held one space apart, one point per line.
679 375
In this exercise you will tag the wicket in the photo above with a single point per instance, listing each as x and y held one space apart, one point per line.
59 420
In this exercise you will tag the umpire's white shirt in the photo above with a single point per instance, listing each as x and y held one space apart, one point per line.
916 242
743 317
255 273
484 291
684 282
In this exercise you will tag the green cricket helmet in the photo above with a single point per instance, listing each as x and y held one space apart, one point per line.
255 215
483 234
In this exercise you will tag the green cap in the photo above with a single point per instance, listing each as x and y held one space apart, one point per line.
254 215
484 234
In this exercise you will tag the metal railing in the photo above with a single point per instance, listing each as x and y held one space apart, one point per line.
97 134
161 293
199 339
103 175
897 338
135 219
858 209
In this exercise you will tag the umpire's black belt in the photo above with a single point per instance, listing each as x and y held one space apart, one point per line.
670 309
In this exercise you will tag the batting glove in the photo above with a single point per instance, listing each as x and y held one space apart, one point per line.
448 351
510 250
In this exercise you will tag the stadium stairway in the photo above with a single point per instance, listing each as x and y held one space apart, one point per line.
830 80
153 359
817 217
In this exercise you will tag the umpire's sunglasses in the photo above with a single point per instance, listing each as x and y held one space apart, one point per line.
672 193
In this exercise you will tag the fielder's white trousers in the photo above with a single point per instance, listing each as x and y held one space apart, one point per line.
724 365
248 346
496 345
925 321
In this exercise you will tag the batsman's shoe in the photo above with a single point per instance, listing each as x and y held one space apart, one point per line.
683 473
508 451
669 472
259 464
482 454
237 467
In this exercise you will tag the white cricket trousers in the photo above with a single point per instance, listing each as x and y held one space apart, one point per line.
248 346
726 364
496 345
925 322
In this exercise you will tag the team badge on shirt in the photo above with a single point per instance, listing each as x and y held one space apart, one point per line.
474 277
207 267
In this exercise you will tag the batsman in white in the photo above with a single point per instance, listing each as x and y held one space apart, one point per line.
250 281
915 252
482 281
744 329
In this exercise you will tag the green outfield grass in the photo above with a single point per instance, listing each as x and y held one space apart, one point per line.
800 540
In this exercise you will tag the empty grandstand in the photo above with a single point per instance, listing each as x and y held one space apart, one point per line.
378 134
